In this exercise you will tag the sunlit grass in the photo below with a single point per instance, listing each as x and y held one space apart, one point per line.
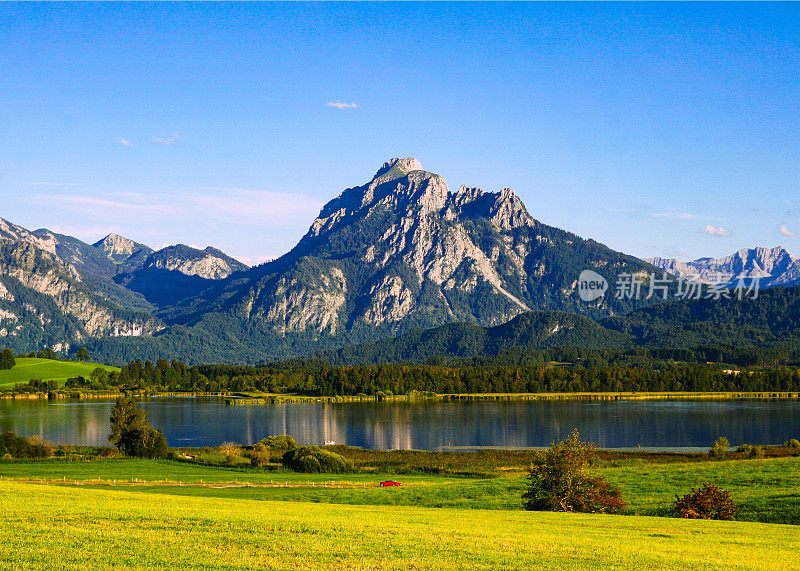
56 527
46 370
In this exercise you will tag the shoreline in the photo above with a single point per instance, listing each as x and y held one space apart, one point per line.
268 399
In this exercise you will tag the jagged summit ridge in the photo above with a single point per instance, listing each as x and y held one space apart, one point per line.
402 185
209 263
775 266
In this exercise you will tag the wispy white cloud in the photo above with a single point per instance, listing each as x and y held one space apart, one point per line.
341 105
715 231
255 207
93 202
674 214
125 142
26 183
168 141
255 225
211 205
786 232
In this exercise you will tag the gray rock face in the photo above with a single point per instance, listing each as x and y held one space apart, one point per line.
126 254
210 263
775 266
403 251
48 297
12 233
116 247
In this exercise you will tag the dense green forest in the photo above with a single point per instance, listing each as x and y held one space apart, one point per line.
552 370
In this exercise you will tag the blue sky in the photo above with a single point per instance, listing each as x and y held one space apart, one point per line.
657 129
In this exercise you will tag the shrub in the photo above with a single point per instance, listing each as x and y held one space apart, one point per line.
144 442
280 443
21 447
719 449
751 451
259 455
558 480
313 459
708 502
231 451
793 443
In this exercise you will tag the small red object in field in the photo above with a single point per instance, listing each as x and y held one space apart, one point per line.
391 483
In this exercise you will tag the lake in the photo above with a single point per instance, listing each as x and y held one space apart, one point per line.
423 425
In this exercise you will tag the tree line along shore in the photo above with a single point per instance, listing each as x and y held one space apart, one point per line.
298 381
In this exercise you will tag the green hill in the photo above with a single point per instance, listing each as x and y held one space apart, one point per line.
47 370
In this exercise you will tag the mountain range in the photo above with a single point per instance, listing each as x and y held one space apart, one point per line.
774 266
396 255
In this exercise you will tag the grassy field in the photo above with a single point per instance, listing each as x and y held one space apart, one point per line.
46 370
57 527
766 491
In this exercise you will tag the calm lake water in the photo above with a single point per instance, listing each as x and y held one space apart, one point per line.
425 426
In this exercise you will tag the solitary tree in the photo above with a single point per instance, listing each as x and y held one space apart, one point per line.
7 360
131 433
82 354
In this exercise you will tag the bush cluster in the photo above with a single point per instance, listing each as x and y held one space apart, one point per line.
793 443
279 443
313 459
21 447
751 451
708 502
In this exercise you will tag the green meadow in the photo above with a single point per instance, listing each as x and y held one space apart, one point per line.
46 370
158 514
766 491
64 527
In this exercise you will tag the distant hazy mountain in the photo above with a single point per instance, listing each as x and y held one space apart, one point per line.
775 266
56 291
124 253
177 272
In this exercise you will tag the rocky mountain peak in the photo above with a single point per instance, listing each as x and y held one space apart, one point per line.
508 211
13 233
209 263
115 245
504 208
398 167
466 195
